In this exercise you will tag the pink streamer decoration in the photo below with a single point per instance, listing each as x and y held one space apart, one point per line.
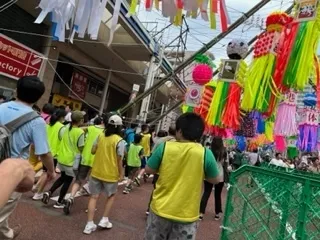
280 143
285 124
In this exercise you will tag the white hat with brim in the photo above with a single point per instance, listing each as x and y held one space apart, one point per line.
115 120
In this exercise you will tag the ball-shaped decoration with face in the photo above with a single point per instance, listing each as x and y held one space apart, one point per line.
237 49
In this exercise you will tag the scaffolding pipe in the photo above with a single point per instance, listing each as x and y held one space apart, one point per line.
205 48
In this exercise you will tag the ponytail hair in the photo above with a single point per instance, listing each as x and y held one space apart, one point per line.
59 113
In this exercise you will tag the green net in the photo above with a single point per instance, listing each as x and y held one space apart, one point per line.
269 203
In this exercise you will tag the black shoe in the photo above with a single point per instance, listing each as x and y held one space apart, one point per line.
46 197
68 205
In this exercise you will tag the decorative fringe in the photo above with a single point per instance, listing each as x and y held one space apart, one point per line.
269 130
307 138
257 89
285 124
231 114
217 104
206 99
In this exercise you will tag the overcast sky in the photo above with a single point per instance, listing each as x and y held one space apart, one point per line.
200 31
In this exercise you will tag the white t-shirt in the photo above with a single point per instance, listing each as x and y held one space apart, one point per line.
278 163
67 118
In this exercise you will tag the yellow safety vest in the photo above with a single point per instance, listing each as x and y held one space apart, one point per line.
92 133
105 164
145 143
178 190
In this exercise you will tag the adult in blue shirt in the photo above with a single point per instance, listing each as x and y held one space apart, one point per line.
29 91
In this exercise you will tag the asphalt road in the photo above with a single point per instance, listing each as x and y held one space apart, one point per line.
128 218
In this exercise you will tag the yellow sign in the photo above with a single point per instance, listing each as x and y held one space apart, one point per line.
59 100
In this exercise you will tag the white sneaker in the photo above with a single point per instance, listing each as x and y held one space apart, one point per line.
37 196
34 188
107 225
59 205
89 228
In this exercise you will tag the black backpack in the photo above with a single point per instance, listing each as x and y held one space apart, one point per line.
7 130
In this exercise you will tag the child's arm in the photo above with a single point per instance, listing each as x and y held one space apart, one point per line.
154 161
95 146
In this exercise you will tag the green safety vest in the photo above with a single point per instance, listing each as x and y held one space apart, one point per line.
133 155
53 137
69 146
92 134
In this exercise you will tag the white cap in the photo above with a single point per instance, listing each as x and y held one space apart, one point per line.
115 120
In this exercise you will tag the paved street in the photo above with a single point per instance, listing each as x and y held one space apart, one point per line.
128 218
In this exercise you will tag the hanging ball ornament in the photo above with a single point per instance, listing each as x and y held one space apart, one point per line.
237 49
202 74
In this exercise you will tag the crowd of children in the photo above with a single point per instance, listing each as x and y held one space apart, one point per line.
103 154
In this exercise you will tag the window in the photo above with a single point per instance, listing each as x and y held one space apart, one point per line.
92 87
99 90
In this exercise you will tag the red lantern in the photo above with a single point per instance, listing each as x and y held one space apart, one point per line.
202 74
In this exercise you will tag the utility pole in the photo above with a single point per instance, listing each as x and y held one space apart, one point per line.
205 48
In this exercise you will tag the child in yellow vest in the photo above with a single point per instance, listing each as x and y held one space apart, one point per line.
182 167
54 132
92 133
146 144
135 155
69 155
106 171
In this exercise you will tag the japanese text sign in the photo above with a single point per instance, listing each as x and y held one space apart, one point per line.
78 85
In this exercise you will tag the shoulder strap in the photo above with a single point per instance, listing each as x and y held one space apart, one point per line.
20 121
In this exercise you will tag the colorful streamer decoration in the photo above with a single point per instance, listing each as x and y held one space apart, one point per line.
285 124
259 85
206 99
298 45
308 126
173 10
224 109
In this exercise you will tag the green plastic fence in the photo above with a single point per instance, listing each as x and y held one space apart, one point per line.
293 171
265 203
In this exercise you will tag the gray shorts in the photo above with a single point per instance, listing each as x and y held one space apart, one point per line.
68 170
159 228
97 186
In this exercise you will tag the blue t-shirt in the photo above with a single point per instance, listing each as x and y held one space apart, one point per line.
33 132
129 136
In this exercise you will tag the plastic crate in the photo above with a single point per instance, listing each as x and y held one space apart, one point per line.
264 203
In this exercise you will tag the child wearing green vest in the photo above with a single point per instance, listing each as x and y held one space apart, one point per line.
91 135
54 131
182 167
107 170
69 155
134 158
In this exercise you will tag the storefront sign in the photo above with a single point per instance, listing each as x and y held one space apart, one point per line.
17 60
79 84
59 100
